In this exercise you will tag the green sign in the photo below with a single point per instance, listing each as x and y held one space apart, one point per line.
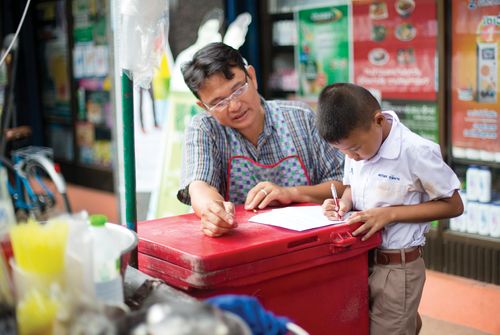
323 48
420 117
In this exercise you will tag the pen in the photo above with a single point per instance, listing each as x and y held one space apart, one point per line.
334 195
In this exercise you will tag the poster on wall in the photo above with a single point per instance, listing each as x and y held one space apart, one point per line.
475 101
395 48
420 116
323 48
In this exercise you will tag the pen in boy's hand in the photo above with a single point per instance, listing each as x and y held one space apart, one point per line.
335 197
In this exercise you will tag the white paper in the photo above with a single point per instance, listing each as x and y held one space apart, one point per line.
295 218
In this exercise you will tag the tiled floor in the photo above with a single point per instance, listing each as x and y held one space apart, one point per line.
450 304
461 301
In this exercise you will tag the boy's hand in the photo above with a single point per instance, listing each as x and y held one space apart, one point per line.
374 219
334 212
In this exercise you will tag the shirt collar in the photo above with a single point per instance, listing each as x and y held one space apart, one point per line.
268 117
391 147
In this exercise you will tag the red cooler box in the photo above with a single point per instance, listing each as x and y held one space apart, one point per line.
318 278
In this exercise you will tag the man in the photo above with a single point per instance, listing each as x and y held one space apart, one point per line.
245 150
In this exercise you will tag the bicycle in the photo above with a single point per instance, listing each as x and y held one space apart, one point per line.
30 194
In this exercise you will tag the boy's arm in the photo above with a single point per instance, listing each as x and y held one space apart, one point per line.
377 218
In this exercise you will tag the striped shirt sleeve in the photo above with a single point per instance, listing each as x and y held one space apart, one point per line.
201 159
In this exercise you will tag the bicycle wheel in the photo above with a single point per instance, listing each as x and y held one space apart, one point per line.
16 190
37 168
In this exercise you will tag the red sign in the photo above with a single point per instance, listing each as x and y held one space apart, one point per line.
395 48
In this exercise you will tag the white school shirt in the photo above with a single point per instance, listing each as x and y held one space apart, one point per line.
407 170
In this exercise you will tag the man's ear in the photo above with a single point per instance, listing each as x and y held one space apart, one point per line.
201 104
251 74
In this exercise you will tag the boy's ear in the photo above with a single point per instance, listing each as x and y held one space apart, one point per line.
378 118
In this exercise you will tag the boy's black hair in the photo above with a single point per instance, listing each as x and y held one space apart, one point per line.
343 107
212 59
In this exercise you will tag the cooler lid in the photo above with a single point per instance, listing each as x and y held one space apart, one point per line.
180 241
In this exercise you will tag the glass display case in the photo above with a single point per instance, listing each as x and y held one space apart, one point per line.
75 75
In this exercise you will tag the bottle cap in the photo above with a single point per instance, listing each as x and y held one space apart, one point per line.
98 220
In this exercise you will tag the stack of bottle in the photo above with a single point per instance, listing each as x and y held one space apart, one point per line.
481 207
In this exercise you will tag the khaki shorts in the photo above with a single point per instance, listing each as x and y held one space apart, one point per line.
395 292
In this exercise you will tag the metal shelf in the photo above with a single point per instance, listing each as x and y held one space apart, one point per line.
472 239
465 161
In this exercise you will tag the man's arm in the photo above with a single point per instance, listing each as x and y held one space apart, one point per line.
267 193
316 193
376 218
217 215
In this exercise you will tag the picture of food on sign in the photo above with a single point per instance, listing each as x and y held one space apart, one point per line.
405 56
378 33
405 7
405 32
378 56
378 10
466 93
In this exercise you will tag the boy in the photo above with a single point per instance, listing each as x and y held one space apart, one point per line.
399 182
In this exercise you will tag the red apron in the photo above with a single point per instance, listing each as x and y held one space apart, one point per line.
244 173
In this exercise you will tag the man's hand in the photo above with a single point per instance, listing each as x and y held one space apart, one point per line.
334 212
374 220
218 218
267 194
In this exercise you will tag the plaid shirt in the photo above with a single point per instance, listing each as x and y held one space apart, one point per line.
207 148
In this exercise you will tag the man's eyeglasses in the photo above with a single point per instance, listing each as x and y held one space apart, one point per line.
222 105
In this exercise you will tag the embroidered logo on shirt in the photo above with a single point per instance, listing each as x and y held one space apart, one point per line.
389 177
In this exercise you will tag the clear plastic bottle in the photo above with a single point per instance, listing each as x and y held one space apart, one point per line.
484 184
472 182
495 220
106 263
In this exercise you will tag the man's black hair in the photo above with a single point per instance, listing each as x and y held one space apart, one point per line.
212 59
343 107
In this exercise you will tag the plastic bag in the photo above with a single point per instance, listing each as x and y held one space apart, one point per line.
143 38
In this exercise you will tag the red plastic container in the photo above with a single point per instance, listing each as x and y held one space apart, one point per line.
318 278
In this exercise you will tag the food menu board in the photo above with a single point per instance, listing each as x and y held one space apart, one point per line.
395 48
475 100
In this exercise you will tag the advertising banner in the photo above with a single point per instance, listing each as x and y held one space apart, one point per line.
475 101
323 48
395 48
420 116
